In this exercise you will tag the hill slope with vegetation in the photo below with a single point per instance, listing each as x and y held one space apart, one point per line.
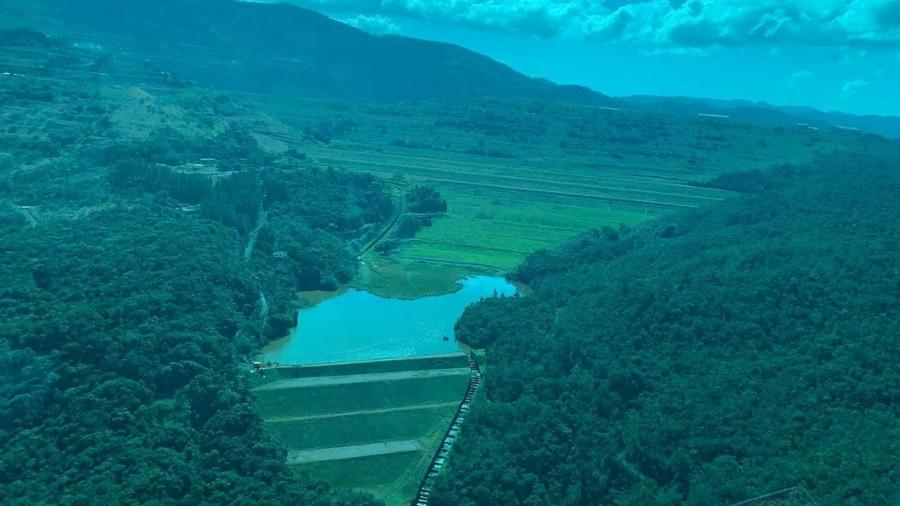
147 247
709 357
281 48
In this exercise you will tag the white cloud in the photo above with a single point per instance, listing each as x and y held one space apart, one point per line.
851 89
799 79
376 24
691 23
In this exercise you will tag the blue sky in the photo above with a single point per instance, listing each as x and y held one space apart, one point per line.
830 54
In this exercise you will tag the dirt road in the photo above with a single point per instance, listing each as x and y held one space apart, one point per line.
353 452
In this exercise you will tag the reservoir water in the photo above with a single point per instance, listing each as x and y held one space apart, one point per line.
358 325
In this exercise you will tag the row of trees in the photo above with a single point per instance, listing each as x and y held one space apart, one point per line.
705 359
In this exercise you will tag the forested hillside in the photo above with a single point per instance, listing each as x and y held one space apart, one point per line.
707 358
148 246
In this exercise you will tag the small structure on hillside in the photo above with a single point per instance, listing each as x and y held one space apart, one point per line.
847 129
715 116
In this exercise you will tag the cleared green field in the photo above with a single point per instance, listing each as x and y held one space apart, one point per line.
500 233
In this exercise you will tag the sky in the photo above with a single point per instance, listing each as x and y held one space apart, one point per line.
830 54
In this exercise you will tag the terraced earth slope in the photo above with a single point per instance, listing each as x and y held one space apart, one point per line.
367 426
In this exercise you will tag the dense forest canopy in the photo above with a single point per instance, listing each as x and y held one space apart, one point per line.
704 359
137 274
120 337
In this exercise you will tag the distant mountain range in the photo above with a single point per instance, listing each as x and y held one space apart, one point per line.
282 48
767 115
287 50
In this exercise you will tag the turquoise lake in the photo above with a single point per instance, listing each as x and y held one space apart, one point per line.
358 325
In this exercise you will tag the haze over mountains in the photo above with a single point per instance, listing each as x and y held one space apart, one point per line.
273 48
280 48
768 115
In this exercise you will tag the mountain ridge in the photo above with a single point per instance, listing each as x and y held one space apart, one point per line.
281 48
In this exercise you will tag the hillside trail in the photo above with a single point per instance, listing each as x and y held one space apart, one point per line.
400 208
353 452
251 238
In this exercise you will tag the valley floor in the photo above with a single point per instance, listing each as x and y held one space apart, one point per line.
518 181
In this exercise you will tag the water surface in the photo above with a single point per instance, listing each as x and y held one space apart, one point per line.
358 325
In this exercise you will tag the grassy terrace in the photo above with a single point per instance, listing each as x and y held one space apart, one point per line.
391 424
523 176
325 409
367 367
372 395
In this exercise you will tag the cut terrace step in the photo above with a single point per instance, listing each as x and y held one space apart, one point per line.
420 422
281 372
353 452
359 378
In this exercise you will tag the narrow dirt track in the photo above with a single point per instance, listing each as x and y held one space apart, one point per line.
251 239
353 452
